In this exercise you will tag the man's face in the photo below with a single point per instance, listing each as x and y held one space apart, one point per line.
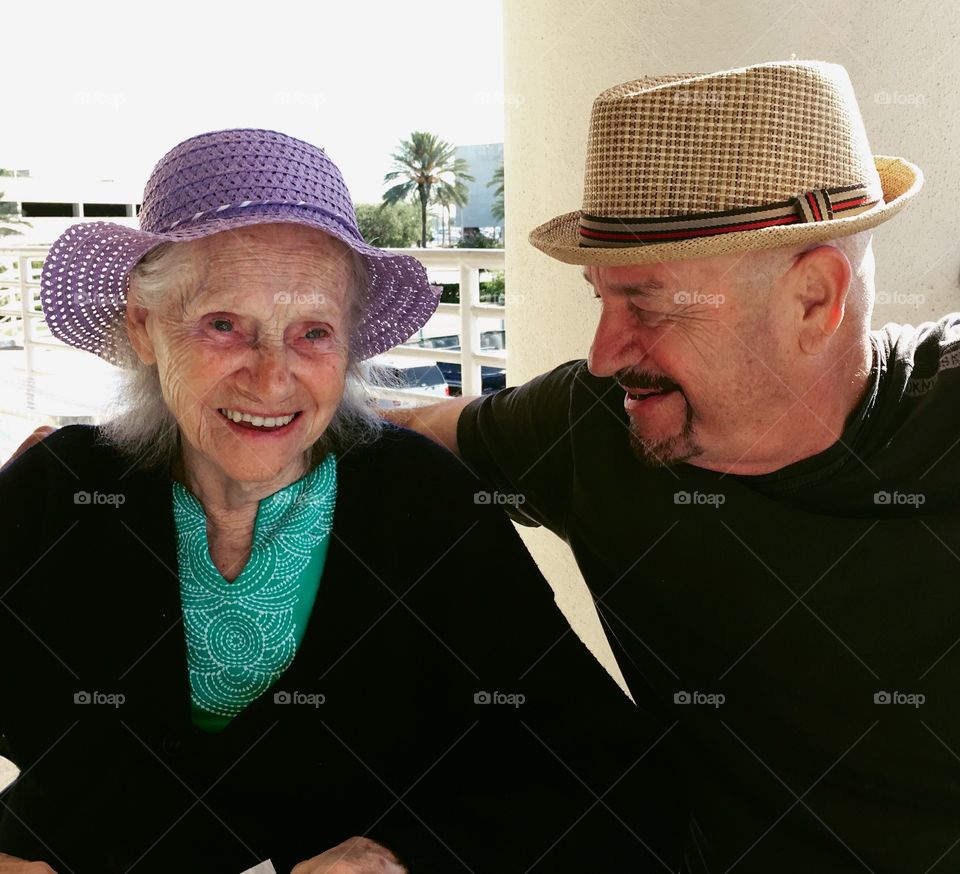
702 359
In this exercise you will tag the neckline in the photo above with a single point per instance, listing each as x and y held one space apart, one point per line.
301 512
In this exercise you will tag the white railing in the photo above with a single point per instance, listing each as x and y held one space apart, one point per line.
23 280
470 357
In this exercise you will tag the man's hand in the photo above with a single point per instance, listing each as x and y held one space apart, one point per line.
35 437
10 865
353 856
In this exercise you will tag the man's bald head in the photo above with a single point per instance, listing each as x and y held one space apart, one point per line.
757 272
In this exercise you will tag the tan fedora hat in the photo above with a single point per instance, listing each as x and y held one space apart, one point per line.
764 156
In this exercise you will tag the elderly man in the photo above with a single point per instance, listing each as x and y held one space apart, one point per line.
761 493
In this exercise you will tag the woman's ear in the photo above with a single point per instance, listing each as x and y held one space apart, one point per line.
136 318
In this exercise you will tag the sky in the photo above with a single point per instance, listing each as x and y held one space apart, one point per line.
102 89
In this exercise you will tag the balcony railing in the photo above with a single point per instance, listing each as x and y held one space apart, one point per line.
32 392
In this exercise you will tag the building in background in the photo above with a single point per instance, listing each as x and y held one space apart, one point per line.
52 205
483 161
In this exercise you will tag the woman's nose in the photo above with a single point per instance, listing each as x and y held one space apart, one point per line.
270 372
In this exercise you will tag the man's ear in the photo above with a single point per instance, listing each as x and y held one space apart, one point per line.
822 279
136 318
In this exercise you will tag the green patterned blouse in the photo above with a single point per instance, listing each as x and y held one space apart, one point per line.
242 636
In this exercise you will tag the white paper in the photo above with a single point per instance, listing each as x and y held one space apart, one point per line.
263 868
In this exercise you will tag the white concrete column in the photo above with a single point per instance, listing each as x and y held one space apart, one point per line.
558 55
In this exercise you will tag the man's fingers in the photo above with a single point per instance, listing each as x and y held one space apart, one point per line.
35 437
13 865
354 856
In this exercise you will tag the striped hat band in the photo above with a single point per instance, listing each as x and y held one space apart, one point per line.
818 205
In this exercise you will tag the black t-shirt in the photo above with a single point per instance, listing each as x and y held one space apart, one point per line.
803 627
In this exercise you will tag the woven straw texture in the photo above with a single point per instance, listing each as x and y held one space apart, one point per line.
674 146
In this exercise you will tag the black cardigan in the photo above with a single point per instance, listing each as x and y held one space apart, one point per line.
428 603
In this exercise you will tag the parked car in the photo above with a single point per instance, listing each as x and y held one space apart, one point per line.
398 382
492 378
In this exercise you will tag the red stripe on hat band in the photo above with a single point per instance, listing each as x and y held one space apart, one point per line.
845 204
694 232
815 209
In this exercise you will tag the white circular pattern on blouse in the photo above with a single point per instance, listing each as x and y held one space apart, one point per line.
241 636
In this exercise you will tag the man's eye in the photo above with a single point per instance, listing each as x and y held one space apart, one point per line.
317 334
222 325
651 318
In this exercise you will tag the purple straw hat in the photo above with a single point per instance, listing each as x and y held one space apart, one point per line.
215 182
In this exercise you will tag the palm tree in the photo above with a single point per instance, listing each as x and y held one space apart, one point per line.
427 164
496 210
443 198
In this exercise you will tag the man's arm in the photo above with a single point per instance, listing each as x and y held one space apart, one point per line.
436 421
516 440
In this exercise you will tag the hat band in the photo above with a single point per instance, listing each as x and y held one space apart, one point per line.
819 205
206 213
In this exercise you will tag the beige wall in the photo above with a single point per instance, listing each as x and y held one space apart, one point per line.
559 54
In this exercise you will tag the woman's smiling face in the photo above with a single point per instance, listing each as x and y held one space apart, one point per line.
256 326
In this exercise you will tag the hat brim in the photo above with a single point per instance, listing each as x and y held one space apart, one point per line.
560 237
85 279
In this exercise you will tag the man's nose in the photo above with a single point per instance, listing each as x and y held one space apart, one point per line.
615 345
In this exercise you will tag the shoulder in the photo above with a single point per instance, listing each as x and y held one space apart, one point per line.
415 498
923 358
939 340
74 465
402 457
62 455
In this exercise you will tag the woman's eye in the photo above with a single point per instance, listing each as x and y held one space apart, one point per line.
222 325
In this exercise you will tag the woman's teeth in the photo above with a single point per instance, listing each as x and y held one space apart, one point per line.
257 421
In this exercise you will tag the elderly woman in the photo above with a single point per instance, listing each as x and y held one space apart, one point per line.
244 619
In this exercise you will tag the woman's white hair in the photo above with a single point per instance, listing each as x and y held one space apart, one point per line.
142 426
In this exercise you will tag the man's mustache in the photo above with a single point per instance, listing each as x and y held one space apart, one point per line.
637 379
